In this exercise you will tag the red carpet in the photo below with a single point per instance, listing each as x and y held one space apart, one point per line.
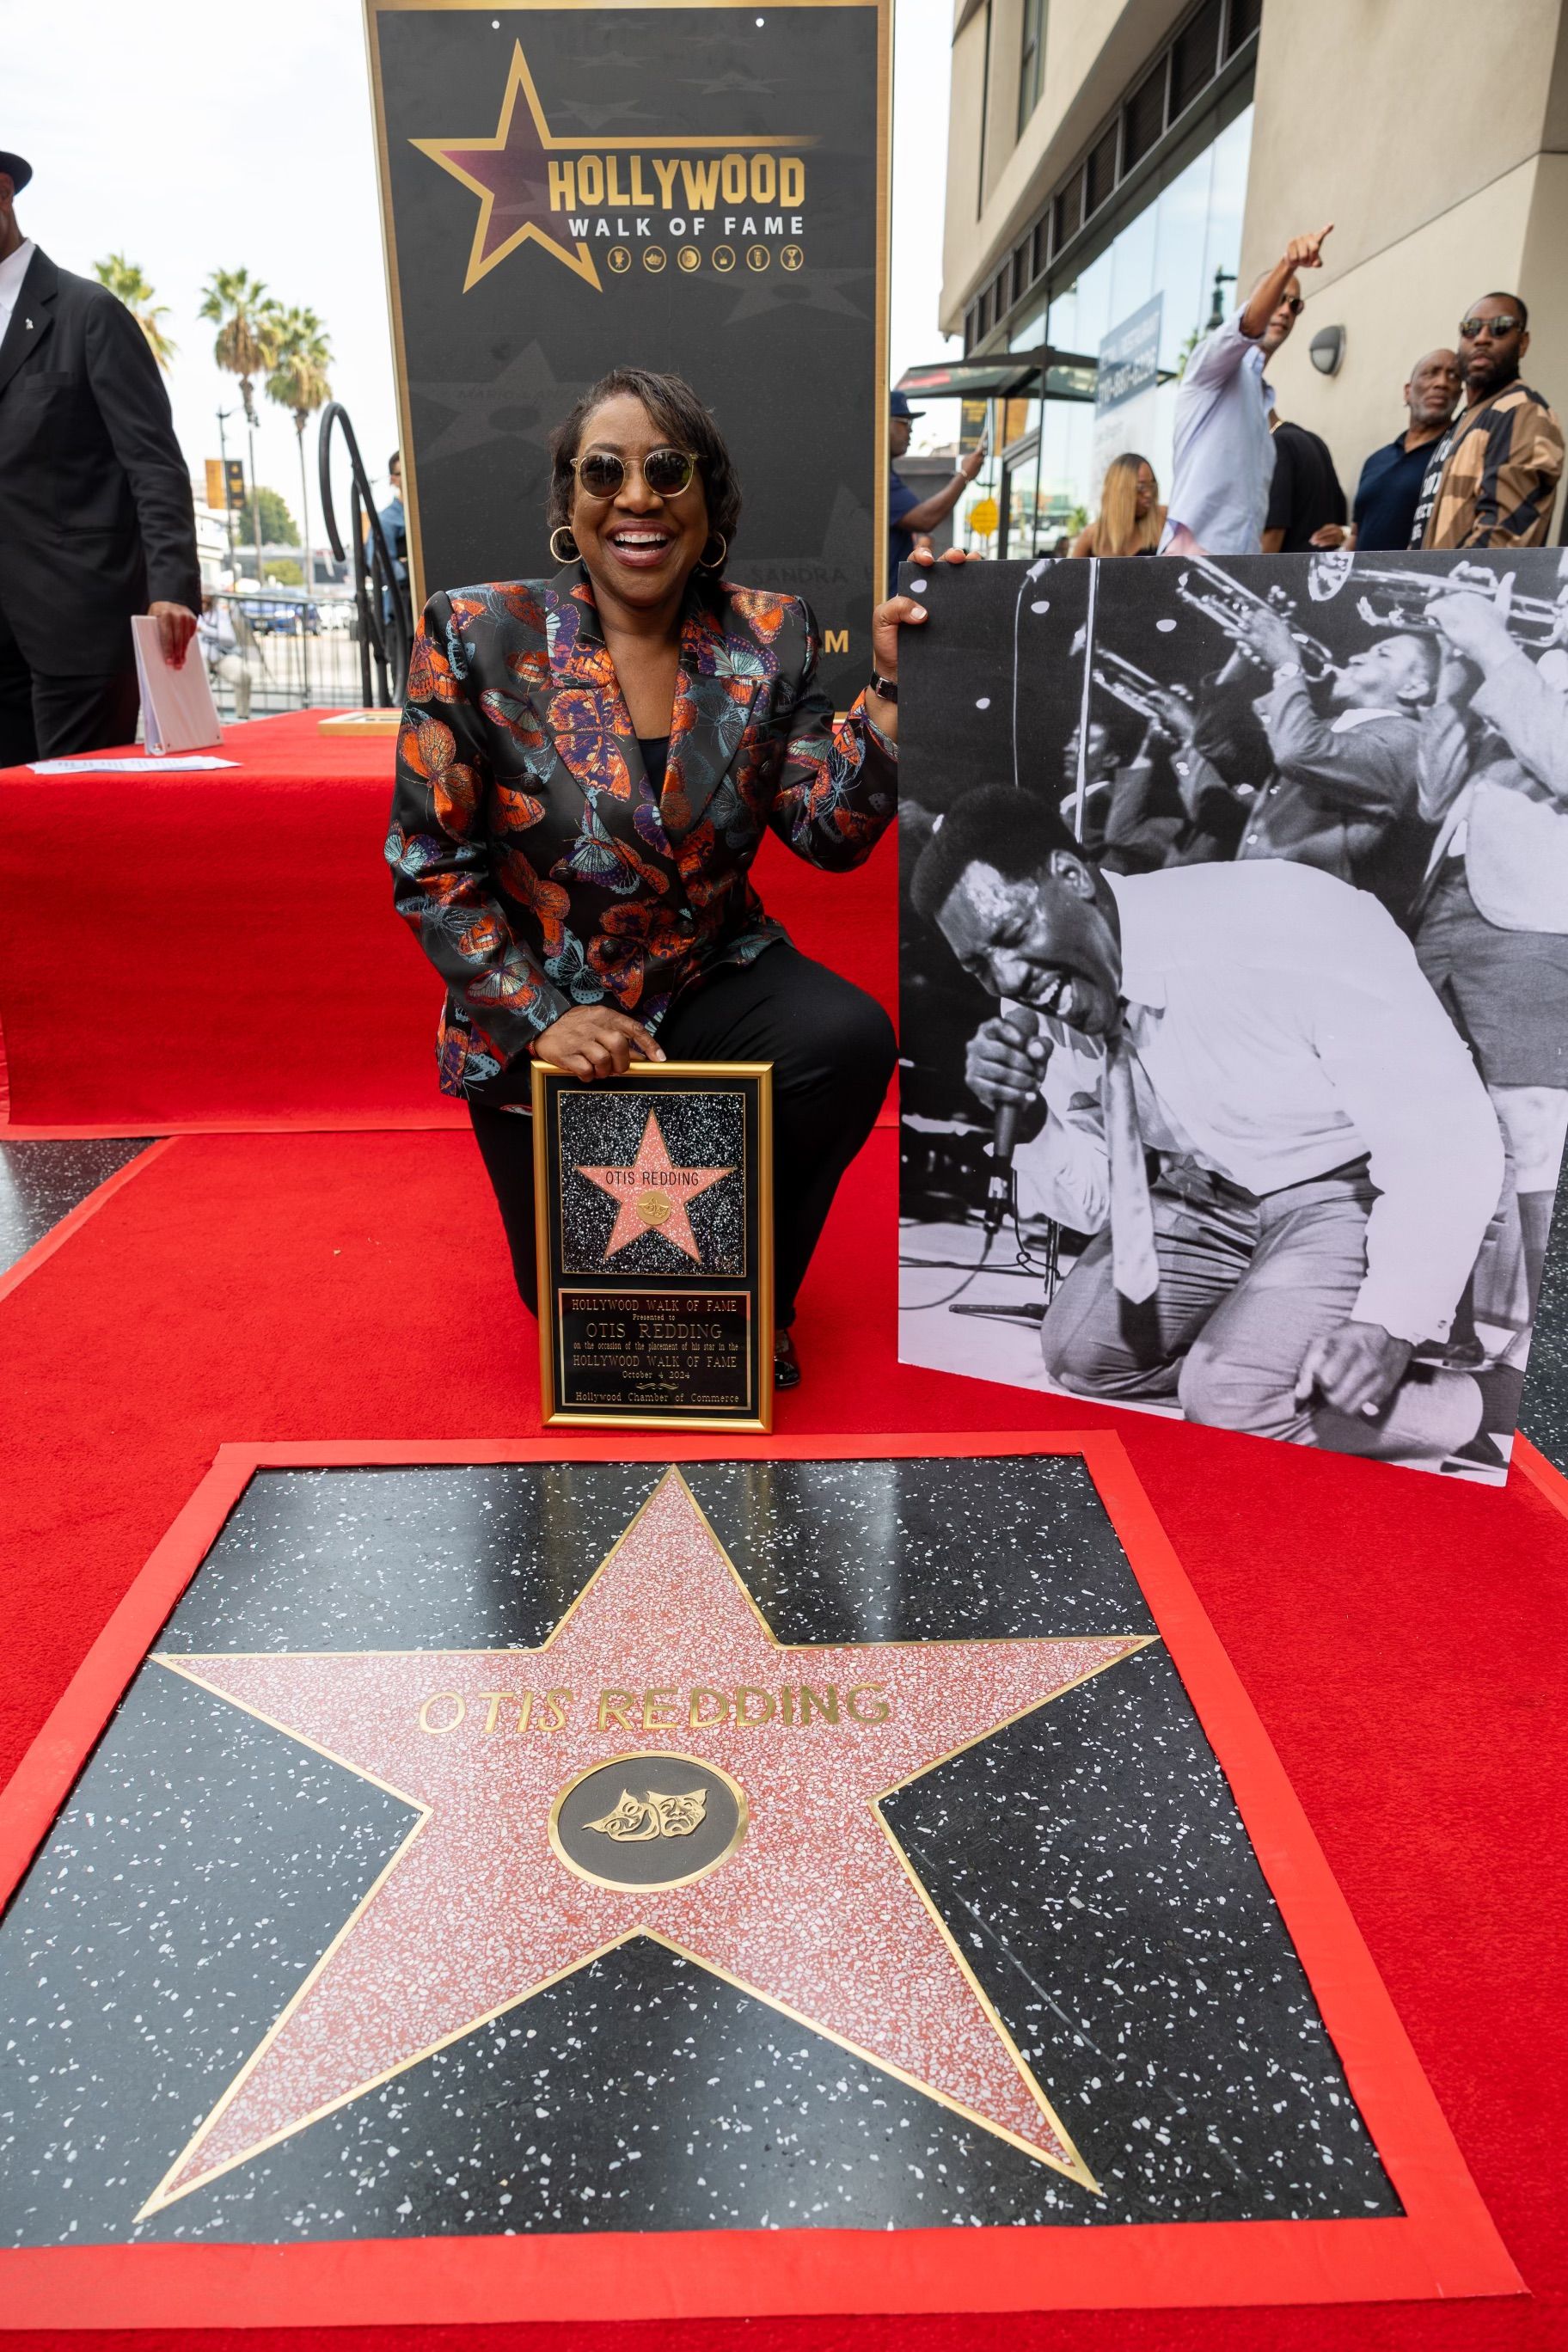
218 949
1401 1637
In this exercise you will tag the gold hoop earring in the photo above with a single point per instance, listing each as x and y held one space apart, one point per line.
717 564
574 554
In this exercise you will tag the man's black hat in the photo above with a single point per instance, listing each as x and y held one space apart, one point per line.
18 167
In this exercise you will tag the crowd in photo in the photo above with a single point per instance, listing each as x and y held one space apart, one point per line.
1476 464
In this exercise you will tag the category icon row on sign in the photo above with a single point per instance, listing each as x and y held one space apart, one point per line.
690 257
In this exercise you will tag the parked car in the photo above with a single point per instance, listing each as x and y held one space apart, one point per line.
281 617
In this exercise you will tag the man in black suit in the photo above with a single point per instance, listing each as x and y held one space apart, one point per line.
96 519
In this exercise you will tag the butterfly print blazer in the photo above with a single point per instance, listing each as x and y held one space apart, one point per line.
529 850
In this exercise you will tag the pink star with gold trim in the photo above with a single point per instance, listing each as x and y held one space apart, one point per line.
661 1690
654 1194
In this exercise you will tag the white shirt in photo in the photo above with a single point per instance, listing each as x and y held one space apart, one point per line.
1280 1026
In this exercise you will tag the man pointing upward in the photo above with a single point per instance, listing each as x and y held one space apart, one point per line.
1224 448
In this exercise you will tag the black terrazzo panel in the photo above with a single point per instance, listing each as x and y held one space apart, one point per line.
484 1557
1543 1415
938 1549
42 1182
1088 1861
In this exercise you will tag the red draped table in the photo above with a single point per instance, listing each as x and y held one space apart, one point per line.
217 948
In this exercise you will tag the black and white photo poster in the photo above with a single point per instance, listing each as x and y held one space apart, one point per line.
1234 973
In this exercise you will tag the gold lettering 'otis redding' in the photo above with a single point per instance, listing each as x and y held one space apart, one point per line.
528 181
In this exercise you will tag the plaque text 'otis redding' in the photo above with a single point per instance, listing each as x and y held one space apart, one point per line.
628 1351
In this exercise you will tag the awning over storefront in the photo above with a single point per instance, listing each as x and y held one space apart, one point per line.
1045 373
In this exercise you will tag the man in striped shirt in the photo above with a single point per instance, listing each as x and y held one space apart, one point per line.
1492 477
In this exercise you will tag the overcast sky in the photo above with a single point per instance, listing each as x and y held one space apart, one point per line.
191 135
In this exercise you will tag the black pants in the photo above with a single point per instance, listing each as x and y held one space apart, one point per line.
45 717
833 1052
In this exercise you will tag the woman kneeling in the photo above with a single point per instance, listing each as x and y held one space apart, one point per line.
585 768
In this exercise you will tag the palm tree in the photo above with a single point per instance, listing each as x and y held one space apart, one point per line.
246 318
128 285
298 382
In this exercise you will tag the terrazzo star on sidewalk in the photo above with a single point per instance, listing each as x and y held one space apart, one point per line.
585 771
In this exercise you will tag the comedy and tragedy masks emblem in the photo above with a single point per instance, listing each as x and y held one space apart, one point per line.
653 1816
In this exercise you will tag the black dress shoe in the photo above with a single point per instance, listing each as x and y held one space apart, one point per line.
786 1363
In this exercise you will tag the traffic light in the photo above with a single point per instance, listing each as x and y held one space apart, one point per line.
226 482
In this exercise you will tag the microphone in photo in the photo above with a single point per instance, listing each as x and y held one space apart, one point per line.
1023 1024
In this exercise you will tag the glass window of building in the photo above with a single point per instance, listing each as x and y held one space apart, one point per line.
1183 245
1032 63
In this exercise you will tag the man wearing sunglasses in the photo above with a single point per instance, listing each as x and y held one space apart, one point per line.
1492 478
1224 448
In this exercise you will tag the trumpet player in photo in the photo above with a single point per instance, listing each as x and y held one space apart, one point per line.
1169 805
1341 791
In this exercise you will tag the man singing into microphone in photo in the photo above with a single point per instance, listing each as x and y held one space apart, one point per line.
1237 1080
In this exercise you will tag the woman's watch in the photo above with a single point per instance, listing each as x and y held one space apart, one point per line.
886 687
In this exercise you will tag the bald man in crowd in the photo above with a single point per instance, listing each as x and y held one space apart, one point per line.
1390 484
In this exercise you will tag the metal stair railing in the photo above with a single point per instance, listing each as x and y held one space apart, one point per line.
381 602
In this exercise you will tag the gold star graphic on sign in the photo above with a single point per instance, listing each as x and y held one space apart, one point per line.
510 174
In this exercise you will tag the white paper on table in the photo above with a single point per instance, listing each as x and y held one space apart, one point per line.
178 713
124 767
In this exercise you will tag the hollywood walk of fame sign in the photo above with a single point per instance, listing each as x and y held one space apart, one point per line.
654 1208
692 186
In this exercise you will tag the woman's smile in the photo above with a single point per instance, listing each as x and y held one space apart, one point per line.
641 546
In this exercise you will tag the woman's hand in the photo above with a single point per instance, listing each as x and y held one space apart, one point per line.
898 612
596 1041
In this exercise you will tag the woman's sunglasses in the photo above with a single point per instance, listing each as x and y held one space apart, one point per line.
667 472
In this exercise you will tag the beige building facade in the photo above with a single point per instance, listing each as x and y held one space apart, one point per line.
1117 168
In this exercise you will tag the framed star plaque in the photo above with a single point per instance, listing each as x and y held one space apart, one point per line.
653 1198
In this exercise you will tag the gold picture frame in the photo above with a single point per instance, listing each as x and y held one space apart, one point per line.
751 1082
